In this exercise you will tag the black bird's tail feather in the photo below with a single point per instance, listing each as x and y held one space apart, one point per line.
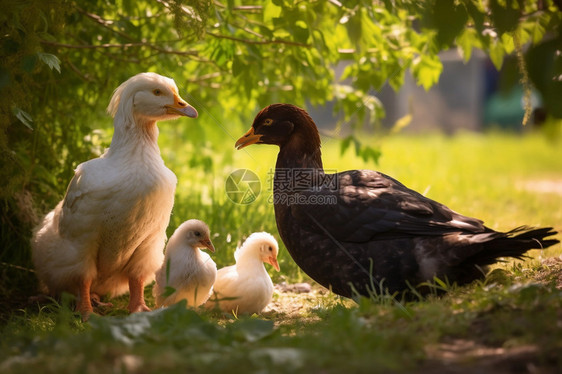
515 243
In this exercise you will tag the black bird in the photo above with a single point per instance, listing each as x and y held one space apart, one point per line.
363 232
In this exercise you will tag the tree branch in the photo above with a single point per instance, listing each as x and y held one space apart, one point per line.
73 67
103 22
247 41
121 46
248 8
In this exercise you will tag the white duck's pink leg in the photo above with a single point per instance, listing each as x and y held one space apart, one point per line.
136 297
84 305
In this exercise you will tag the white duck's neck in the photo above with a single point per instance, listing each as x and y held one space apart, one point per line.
134 135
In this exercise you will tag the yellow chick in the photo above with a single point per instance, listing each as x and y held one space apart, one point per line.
246 288
187 272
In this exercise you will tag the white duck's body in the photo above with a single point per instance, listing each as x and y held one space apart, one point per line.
246 288
108 233
111 223
189 271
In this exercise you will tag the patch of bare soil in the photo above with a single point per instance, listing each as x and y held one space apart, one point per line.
466 356
295 302
551 271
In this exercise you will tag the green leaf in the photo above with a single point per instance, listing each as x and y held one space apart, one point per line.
505 14
449 19
168 270
165 324
496 52
441 283
290 359
28 63
168 291
465 42
401 123
300 32
544 64
238 65
426 70
23 117
345 143
508 44
477 14
270 11
251 330
537 27
52 61
368 153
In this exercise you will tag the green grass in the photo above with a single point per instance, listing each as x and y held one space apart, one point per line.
509 321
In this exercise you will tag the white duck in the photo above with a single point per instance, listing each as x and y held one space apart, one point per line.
246 288
108 233
187 272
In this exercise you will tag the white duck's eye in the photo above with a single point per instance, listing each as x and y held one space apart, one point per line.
268 122
157 92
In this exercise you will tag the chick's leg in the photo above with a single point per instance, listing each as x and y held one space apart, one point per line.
136 297
84 305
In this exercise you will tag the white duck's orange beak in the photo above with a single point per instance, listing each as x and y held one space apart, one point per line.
182 108
273 262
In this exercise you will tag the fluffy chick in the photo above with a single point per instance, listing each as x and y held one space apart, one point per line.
187 272
246 288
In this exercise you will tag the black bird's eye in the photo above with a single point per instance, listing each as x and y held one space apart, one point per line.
268 122
157 92
197 233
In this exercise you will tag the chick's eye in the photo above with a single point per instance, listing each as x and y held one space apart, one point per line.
268 122
157 92
197 233
270 248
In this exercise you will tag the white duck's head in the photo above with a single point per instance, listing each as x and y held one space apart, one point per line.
261 245
148 97
194 233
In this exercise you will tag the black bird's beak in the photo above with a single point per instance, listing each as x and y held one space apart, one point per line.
247 139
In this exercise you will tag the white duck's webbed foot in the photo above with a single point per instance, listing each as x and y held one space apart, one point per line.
96 301
136 297
39 299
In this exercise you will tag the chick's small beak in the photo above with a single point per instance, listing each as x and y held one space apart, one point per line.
273 262
247 139
207 243
180 107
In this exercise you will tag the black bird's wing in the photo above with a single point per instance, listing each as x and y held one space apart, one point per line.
365 203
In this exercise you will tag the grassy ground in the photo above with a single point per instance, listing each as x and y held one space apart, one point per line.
510 322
